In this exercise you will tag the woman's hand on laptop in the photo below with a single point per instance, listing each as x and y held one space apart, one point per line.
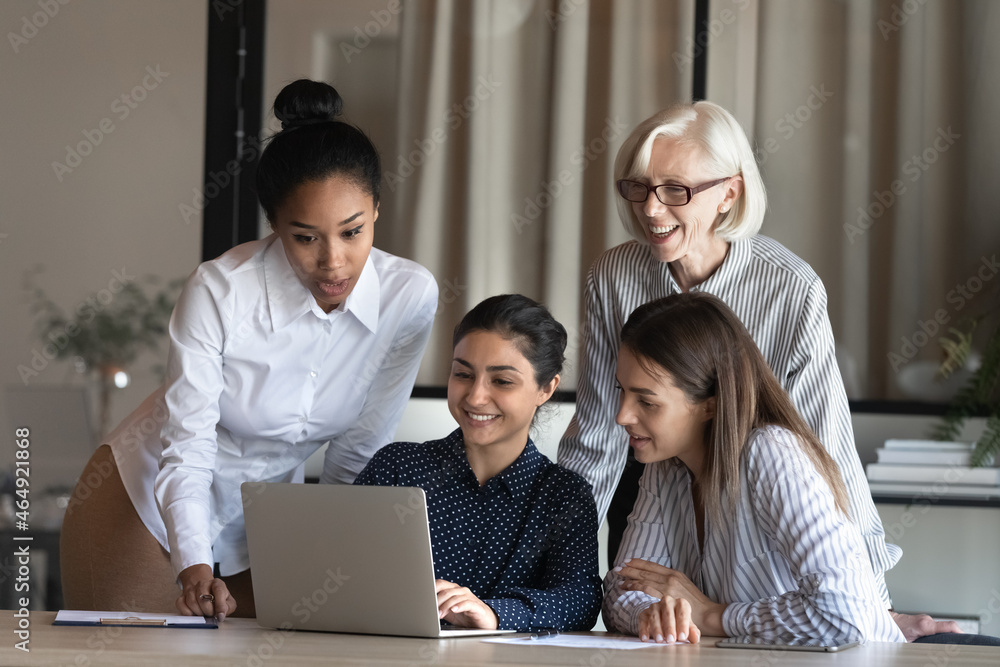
458 606
203 594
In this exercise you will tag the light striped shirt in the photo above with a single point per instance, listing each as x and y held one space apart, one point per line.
787 562
782 303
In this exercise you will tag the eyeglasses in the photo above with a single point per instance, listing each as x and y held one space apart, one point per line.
670 194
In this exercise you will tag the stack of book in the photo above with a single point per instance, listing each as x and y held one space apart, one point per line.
930 467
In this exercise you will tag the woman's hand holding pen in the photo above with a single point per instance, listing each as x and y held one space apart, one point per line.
664 583
458 606
203 594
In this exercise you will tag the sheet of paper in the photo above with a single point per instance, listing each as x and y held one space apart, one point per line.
576 641
72 616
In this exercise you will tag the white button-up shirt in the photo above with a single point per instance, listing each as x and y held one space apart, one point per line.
259 377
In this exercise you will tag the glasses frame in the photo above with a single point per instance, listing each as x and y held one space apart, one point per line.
691 192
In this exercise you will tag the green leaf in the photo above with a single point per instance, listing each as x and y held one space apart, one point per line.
956 351
978 394
988 446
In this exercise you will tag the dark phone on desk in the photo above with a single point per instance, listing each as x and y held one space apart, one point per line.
822 646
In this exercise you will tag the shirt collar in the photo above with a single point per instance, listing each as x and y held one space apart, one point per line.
518 477
733 266
363 301
288 299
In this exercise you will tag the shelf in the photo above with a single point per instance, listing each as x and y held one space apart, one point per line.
935 501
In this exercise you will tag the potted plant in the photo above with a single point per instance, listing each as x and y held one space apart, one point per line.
106 331
981 393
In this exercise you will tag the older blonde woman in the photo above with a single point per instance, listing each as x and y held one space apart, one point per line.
693 199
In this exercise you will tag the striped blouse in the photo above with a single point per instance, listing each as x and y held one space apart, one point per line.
787 562
782 303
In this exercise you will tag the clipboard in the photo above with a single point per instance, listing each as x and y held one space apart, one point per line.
131 619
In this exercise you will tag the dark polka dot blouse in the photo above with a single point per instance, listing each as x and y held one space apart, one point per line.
525 543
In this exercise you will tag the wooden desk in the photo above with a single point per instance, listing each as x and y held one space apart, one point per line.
241 642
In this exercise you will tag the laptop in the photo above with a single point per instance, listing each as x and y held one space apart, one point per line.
338 558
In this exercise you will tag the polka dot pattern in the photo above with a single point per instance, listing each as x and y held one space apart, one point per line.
525 543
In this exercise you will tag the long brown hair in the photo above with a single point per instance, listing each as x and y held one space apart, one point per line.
706 350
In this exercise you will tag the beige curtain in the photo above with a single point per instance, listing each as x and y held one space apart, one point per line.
511 112
874 122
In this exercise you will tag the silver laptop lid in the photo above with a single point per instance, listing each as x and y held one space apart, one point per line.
341 558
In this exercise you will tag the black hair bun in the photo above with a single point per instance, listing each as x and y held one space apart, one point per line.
306 102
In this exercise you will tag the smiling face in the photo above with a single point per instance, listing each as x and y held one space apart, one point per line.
661 421
492 392
326 228
678 232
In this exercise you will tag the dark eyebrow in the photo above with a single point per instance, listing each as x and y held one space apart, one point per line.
351 219
638 390
491 369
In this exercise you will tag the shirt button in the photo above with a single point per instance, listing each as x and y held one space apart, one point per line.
312 374
302 420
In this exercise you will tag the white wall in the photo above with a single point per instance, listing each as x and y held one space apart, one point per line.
118 210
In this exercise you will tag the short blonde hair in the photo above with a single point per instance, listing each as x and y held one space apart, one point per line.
726 149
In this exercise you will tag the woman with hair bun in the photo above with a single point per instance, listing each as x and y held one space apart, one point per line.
514 535
278 346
